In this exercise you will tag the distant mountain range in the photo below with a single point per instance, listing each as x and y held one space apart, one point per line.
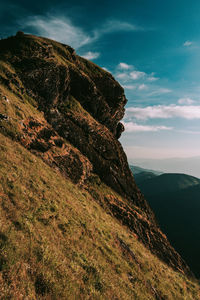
188 165
141 174
175 199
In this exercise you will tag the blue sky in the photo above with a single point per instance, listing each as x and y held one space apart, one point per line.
151 47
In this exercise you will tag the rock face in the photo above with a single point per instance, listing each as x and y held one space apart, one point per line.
82 106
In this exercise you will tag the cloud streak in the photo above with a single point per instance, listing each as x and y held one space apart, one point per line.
61 29
142 87
116 25
135 75
186 101
129 86
187 43
160 91
128 73
134 127
164 112
124 66
91 55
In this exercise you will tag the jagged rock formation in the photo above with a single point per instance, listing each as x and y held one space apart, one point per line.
81 106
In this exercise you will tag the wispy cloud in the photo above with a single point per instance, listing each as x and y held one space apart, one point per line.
130 86
187 43
124 66
62 29
164 112
134 127
91 55
186 101
117 25
135 75
105 69
152 78
159 91
188 131
128 73
123 76
142 87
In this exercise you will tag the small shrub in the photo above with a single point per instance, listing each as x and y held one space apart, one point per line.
3 263
98 286
42 286
3 240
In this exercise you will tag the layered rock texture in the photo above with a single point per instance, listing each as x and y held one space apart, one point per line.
67 111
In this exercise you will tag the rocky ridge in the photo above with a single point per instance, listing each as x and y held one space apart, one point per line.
77 130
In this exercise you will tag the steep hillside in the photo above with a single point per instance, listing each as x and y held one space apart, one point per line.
177 210
58 242
70 208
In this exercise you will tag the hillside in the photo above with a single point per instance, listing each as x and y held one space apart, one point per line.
74 225
168 182
177 210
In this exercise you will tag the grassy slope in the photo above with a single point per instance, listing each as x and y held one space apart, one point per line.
57 243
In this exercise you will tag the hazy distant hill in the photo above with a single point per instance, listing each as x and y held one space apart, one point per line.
137 170
165 183
189 165
175 199
141 174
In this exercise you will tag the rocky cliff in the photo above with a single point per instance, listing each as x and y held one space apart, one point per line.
68 112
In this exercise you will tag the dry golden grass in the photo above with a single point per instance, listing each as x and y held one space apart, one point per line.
57 243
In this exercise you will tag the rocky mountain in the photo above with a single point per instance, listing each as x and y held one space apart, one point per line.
73 221
175 199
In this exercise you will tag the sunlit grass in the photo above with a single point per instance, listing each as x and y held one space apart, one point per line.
58 243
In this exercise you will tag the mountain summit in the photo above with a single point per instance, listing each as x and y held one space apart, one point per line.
70 207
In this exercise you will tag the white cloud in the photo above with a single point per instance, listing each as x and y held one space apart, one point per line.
128 73
124 66
187 43
105 69
134 127
160 91
129 87
135 75
152 78
123 76
142 87
186 101
116 25
164 112
60 29
91 55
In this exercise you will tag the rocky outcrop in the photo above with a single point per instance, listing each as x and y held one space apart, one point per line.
40 138
82 107
82 102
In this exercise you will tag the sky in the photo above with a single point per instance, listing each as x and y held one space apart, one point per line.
151 47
